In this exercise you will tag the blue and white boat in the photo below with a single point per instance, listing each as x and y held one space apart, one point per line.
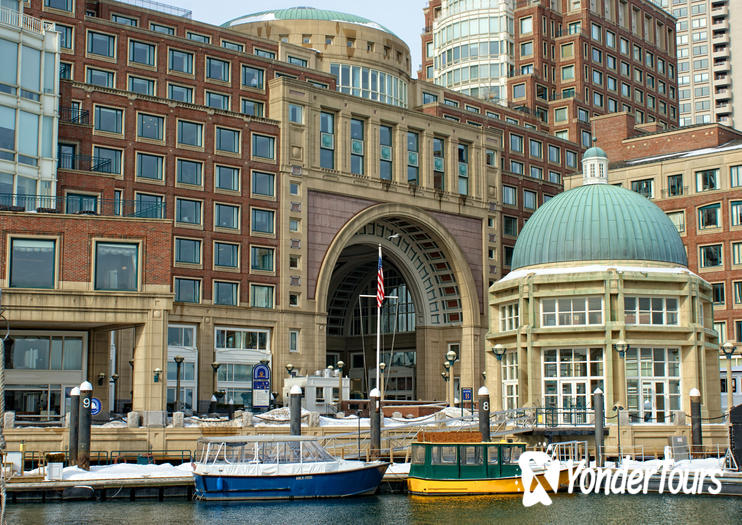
278 467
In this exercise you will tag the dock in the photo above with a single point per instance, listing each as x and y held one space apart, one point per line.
133 489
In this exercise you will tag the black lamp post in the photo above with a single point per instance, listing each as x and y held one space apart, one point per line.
178 363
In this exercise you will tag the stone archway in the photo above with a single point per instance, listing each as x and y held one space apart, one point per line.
440 277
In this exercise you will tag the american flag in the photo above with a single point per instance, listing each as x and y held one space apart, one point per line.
379 283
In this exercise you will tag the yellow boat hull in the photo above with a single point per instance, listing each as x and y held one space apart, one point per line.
459 487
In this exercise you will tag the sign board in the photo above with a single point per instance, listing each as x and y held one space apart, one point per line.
261 386
466 394
95 406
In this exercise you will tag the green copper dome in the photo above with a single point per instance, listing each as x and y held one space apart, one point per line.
305 13
598 222
594 152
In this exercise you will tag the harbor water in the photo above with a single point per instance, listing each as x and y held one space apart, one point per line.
393 509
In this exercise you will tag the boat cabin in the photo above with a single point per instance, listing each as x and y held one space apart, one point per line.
260 450
465 460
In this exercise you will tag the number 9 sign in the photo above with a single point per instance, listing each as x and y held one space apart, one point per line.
86 402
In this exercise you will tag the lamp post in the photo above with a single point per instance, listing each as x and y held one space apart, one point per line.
444 375
728 348
340 365
382 366
215 368
451 358
499 351
617 409
114 380
447 377
622 347
178 363
131 392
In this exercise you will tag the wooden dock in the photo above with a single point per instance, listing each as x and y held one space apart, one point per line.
132 489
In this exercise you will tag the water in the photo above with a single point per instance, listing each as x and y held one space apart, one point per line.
392 510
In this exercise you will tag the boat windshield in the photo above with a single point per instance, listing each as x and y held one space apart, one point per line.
281 452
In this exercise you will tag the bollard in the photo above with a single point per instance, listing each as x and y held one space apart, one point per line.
295 410
484 413
599 408
695 419
83 446
74 423
374 414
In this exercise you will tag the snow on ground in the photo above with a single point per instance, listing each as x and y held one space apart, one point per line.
127 471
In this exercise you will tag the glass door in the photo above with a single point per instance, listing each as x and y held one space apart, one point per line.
573 402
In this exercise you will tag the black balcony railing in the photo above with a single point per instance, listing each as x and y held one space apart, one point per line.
74 116
68 161
79 204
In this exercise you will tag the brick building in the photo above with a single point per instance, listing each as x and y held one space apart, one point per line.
693 175
219 194
569 60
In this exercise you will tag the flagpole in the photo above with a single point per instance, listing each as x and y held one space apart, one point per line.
378 326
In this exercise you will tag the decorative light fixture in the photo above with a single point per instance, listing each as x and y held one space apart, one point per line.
621 347
728 348
499 351
451 356
101 378
289 368
158 372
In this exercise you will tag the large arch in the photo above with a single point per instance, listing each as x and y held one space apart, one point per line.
436 271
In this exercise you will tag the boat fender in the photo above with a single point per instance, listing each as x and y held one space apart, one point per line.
219 483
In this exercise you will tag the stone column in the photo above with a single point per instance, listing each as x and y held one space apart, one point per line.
150 354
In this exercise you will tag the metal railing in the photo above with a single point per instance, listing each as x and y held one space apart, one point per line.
68 161
162 8
81 205
70 115
39 420
13 18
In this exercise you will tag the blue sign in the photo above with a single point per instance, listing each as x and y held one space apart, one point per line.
466 394
95 406
261 386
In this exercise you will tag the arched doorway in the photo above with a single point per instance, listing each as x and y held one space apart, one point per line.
437 307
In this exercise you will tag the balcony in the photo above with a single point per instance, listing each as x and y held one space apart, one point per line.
720 39
10 17
720 11
74 116
723 109
84 163
723 94
81 205
721 80
162 8
721 53
720 25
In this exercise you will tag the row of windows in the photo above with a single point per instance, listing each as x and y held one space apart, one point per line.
225 254
706 180
188 212
718 292
151 166
225 293
152 127
582 311
116 268
530 198
712 255
358 132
